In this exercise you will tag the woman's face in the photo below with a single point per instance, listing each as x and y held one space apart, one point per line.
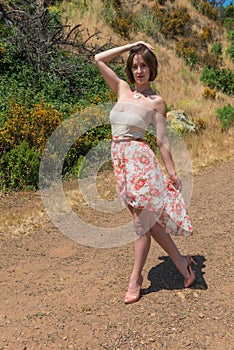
140 69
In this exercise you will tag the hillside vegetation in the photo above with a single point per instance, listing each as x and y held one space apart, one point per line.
48 74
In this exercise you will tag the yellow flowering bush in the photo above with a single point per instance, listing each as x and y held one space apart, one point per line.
209 93
201 124
175 22
119 17
34 126
2 49
206 34
187 48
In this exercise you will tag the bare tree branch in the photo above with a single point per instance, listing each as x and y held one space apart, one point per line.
39 35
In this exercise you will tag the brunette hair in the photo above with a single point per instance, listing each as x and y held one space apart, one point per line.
150 60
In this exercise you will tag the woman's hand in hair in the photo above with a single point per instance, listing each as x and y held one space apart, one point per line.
149 46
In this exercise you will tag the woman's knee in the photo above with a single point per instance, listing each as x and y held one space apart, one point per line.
141 222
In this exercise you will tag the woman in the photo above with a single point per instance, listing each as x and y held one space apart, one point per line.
154 200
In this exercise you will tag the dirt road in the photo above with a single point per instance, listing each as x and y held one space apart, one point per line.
57 294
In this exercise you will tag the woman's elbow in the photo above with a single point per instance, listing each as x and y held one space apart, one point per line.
163 143
96 58
159 143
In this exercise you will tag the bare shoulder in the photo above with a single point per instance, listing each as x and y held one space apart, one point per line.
123 84
159 105
123 89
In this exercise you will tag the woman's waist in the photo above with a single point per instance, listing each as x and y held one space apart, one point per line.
127 131
127 137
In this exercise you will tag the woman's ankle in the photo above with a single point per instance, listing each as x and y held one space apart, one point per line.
135 278
182 266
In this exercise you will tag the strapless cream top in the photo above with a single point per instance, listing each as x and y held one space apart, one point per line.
130 120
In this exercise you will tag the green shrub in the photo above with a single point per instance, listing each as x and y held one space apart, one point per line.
210 60
230 49
220 79
225 81
230 52
228 17
23 85
217 49
19 168
230 36
226 116
79 168
82 146
145 21
229 24
209 77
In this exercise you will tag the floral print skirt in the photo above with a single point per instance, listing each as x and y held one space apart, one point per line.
141 183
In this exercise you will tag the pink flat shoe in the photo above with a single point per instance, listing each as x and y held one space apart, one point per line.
131 298
190 280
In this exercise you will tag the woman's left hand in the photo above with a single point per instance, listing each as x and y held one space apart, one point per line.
176 181
149 46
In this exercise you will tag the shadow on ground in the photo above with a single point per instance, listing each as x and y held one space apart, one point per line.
166 276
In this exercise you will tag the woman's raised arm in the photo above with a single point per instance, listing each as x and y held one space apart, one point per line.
103 58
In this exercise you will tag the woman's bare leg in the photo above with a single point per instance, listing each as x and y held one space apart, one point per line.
141 250
166 242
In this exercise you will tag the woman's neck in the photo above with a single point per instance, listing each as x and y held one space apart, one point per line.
142 88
